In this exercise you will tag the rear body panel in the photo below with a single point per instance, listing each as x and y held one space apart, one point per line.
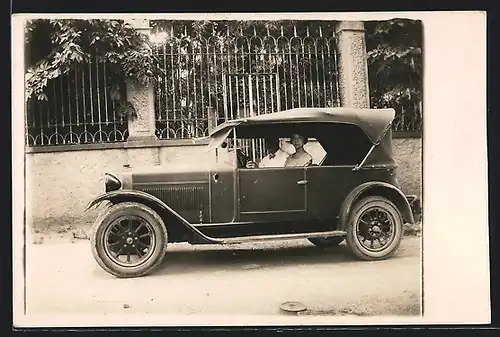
328 187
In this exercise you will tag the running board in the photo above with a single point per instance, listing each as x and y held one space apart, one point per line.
280 237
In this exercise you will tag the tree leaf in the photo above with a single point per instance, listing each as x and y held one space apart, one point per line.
42 97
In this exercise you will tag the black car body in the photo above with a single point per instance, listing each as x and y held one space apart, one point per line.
349 192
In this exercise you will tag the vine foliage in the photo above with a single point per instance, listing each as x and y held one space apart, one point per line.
54 46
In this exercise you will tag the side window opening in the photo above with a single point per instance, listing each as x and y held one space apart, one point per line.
333 144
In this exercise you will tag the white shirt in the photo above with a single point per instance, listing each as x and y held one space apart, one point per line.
278 159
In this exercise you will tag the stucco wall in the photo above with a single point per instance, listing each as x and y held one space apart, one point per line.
60 184
408 154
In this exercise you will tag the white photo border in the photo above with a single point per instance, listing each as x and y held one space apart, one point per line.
456 286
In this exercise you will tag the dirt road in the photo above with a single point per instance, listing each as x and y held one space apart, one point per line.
62 277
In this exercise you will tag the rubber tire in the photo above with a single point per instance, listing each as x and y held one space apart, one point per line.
111 213
357 211
331 241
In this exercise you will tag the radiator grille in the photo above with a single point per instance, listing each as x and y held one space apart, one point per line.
189 201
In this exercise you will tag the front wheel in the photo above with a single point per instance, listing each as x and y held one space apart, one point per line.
129 240
375 228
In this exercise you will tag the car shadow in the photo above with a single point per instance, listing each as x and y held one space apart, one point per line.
237 258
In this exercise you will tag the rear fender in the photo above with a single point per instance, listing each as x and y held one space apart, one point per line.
151 201
376 188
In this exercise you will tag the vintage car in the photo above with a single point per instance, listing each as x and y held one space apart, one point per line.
350 192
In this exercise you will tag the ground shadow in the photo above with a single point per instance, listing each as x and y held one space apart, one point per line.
237 258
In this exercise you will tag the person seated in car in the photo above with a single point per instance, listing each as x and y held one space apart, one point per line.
301 157
275 156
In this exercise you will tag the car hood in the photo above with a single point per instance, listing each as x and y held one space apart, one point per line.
171 172
173 168
152 176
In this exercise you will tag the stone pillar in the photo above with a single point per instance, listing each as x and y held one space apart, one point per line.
353 67
142 126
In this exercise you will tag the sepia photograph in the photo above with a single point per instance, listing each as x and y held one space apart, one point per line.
223 165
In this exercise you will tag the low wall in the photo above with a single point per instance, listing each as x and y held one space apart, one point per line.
60 184
408 154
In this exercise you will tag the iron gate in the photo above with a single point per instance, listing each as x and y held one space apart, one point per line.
240 69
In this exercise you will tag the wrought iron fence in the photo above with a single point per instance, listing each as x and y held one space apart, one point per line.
408 119
79 110
239 72
249 70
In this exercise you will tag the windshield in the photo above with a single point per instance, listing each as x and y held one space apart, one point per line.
255 149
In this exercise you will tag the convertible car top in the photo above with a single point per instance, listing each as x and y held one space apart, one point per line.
373 122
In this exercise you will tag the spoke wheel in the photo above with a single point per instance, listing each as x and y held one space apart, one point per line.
375 229
129 240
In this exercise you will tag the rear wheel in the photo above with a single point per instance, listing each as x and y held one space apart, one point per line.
375 228
129 240
326 242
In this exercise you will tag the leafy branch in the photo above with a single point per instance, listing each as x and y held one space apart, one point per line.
55 46
394 51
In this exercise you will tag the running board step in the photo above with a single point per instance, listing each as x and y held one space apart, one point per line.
280 237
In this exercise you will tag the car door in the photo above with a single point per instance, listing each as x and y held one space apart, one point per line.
272 194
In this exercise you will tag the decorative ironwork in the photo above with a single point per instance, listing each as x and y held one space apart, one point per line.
250 71
408 119
79 110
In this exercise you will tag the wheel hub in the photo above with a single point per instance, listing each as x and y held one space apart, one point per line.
124 243
375 231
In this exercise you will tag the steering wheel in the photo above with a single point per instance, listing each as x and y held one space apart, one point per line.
242 158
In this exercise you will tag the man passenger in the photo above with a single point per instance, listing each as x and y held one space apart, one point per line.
275 156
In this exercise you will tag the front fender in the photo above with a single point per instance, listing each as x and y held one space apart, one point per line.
376 188
148 199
